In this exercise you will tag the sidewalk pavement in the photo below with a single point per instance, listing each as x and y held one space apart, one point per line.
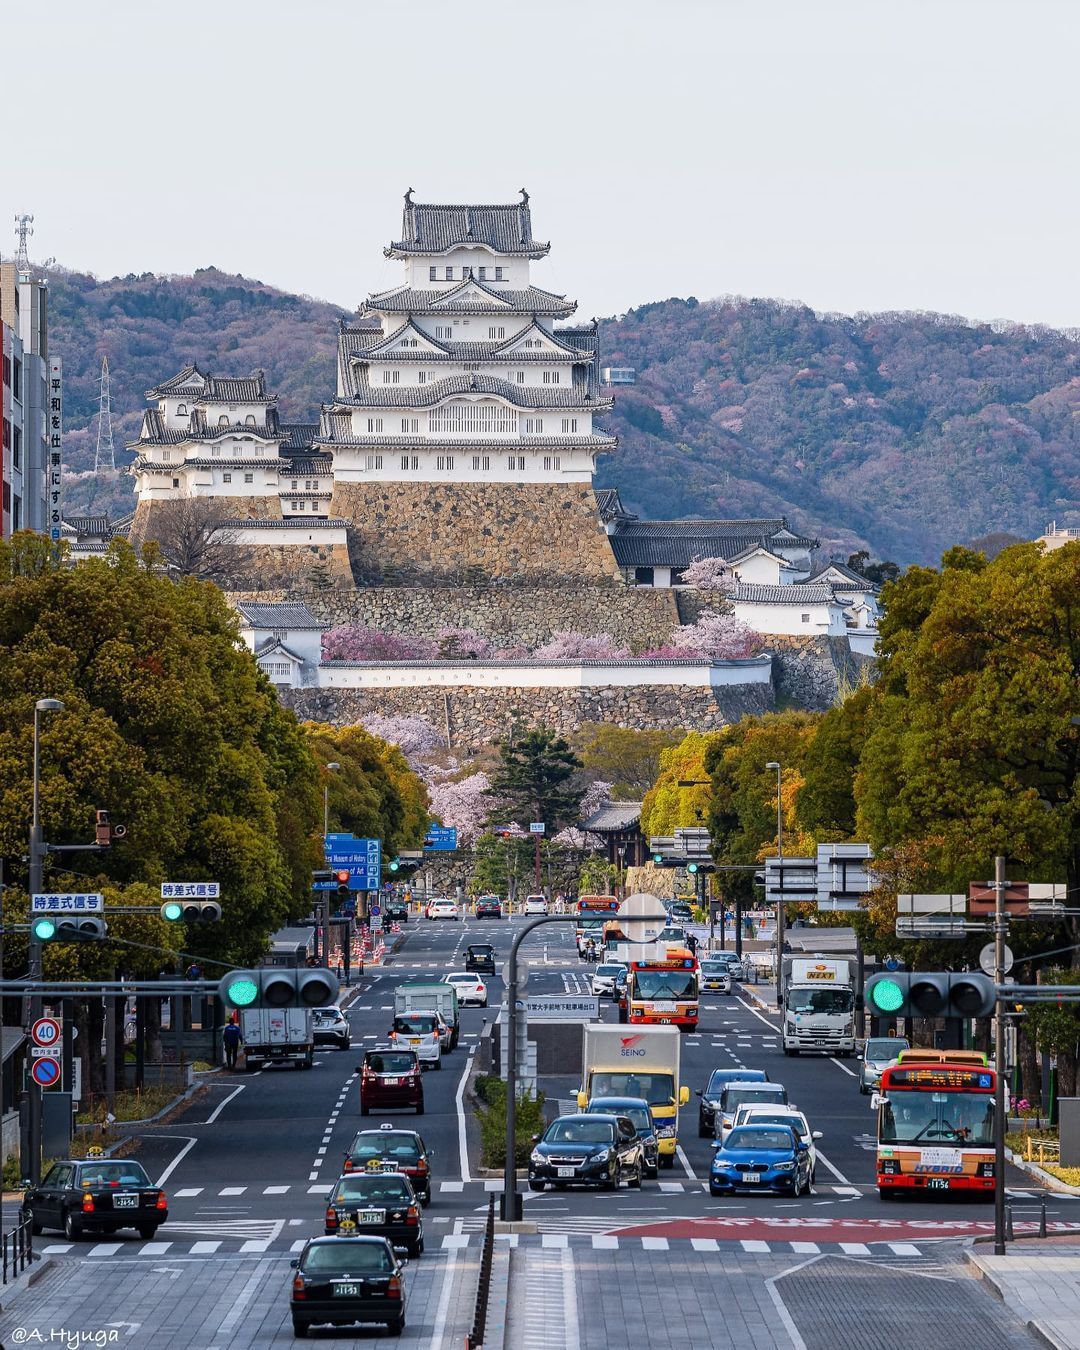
1041 1287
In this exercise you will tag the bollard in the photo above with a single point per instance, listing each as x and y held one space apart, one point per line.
1008 1224
1042 1219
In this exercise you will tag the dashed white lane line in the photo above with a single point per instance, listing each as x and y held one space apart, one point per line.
842 1067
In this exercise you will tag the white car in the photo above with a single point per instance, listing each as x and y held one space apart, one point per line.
604 977
768 1115
470 987
536 904
443 909
419 1031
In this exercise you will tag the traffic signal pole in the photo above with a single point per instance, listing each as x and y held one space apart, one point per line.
1000 927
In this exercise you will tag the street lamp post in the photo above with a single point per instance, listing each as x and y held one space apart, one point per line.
37 867
323 907
773 764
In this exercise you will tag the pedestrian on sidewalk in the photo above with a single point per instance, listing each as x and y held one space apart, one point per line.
232 1040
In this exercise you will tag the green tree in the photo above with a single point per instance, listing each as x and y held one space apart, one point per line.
825 804
666 805
596 875
534 781
625 757
1055 1028
374 794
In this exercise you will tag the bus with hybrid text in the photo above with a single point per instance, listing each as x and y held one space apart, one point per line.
935 1128
593 911
663 991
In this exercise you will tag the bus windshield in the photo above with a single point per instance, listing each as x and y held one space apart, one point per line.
658 1089
661 984
937 1117
821 1000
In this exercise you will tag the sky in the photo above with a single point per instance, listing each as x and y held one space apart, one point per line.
851 154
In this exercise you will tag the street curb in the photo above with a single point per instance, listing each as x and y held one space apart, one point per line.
19 1285
1051 1183
1019 1308
498 1298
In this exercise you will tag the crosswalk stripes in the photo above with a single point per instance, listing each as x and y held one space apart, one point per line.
488 1185
576 1237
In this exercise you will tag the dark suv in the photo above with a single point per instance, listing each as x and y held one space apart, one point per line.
396 910
390 1077
395 1151
587 1150
480 956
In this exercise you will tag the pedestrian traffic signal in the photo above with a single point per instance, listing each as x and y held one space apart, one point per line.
278 987
931 994
69 928
191 911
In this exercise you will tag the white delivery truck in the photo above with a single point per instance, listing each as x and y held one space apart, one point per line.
278 1036
624 1061
431 997
818 994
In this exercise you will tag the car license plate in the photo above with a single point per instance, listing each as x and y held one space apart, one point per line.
391 1082
751 1178
564 1171
372 1216
342 1290
937 1184
125 1200
414 1040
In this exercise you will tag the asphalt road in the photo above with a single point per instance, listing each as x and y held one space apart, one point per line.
247 1167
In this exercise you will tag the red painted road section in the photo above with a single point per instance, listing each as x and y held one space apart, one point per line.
810 1229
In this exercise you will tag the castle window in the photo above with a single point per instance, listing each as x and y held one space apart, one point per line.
547 463
498 274
165 454
521 463
569 425
533 425
476 463
295 484
176 482
300 505
440 462
445 331
433 274
249 478
496 332
463 419
410 425
421 377
806 618
449 274
551 377
521 377
558 461
223 421
374 424
249 420
405 462
482 273
416 461
486 463
181 410
374 461
292 506
227 478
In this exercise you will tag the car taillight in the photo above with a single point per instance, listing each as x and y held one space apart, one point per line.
412 1215
162 1201
87 1203
331 1218
393 1287
298 1287
348 1165
422 1168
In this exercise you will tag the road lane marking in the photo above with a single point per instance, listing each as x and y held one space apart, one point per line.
705 1244
654 1244
855 1248
604 1242
233 1190
797 1342
178 1159
686 1164
842 1067
224 1103
154 1248
463 1139
187 1194
243 1298
204 1248
812 1249
754 1245
837 1174
904 1249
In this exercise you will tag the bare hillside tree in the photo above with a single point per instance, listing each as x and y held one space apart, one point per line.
194 539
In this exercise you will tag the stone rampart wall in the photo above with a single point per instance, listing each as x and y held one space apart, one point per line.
496 531
815 672
477 717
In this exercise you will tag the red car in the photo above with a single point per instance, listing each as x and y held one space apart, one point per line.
390 1077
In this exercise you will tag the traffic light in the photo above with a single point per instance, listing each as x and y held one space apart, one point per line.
343 892
278 987
662 860
930 994
69 928
191 911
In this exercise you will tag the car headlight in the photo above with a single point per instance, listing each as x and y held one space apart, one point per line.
602 1155
536 1158
785 1167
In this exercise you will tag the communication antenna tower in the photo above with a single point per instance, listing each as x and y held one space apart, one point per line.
24 228
105 454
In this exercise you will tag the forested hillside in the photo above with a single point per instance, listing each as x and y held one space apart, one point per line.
903 433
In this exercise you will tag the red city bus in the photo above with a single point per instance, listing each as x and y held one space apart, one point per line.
935 1129
664 991
593 911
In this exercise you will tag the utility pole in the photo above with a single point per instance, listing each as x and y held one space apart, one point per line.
1000 927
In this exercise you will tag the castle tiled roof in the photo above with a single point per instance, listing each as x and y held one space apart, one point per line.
542 398
613 817
190 379
857 581
298 436
201 429
435 229
798 593
89 527
439 349
411 300
643 549
610 507
314 466
204 388
277 614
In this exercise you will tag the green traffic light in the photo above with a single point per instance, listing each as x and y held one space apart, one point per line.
887 996
691 867
394 865
173 910
44 929
658 858
242 993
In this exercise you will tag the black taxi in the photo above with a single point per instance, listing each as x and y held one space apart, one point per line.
393 1150
97 1196
379 1202
481 957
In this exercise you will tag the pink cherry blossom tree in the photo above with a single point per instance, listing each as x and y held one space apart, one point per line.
464 804
597 794
416 737
570 646
708 574
464 644
354 642
720 637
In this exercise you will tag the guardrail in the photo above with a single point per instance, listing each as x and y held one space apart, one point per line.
475 1339
1012 1207
1047 1149
18 1250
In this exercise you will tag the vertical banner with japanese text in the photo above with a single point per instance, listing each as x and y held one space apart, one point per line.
56 435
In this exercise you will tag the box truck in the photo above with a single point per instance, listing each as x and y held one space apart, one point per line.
278 1036
620 1061
426 997
818 995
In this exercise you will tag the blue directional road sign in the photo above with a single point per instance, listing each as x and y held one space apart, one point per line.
441 839
362 858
